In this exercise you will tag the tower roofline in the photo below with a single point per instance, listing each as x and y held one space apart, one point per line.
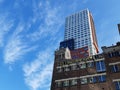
78 12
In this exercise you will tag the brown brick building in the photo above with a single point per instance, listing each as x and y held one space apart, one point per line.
98 72
112 60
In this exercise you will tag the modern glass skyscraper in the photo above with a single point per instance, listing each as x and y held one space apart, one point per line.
80 27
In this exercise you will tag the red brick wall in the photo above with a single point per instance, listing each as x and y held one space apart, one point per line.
80 53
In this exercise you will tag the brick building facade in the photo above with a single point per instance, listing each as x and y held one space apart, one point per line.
97 72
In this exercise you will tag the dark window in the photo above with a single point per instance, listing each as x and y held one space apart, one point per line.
83 81
102 78
92 80
66 83
113 54
110 55
73 82
115 68
59 70
90 64
67 69
117 85
58 84
100 66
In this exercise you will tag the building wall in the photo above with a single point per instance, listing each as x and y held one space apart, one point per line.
77 69
94 38
112 60
67 43
98 72
80 53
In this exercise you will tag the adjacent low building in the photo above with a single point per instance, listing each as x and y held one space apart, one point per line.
112 60
97 72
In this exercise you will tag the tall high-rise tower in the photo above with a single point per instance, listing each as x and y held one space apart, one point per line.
80 27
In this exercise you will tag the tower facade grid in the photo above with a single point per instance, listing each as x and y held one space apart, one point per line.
80 27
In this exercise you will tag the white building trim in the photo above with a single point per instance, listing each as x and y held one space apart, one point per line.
116 80
80 77
66 79
114 63
100 59
93 75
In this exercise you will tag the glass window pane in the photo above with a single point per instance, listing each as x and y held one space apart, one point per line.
103 65
59 69
114 68
58 84
117 85
83 80
66 83
66 69
97 66
102 78
100 66
92 79
73 82
74 67
83 66
90 64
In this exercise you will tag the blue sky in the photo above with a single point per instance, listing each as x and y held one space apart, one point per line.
30 32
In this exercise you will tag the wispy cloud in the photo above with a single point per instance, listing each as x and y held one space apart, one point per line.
51 20
14 50
38 73
5 26
40 79
16 46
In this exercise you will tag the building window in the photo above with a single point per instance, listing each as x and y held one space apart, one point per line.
113 54
110 55
58 84
83 80
100 66
114 68
67 69
59 70
90 64
92 80
82 66
74 82
117 85
102 78
74 67
66 83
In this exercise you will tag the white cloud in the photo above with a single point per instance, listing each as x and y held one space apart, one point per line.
16 47
40 79
51 20
34 66
5 26
13 50
38 73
